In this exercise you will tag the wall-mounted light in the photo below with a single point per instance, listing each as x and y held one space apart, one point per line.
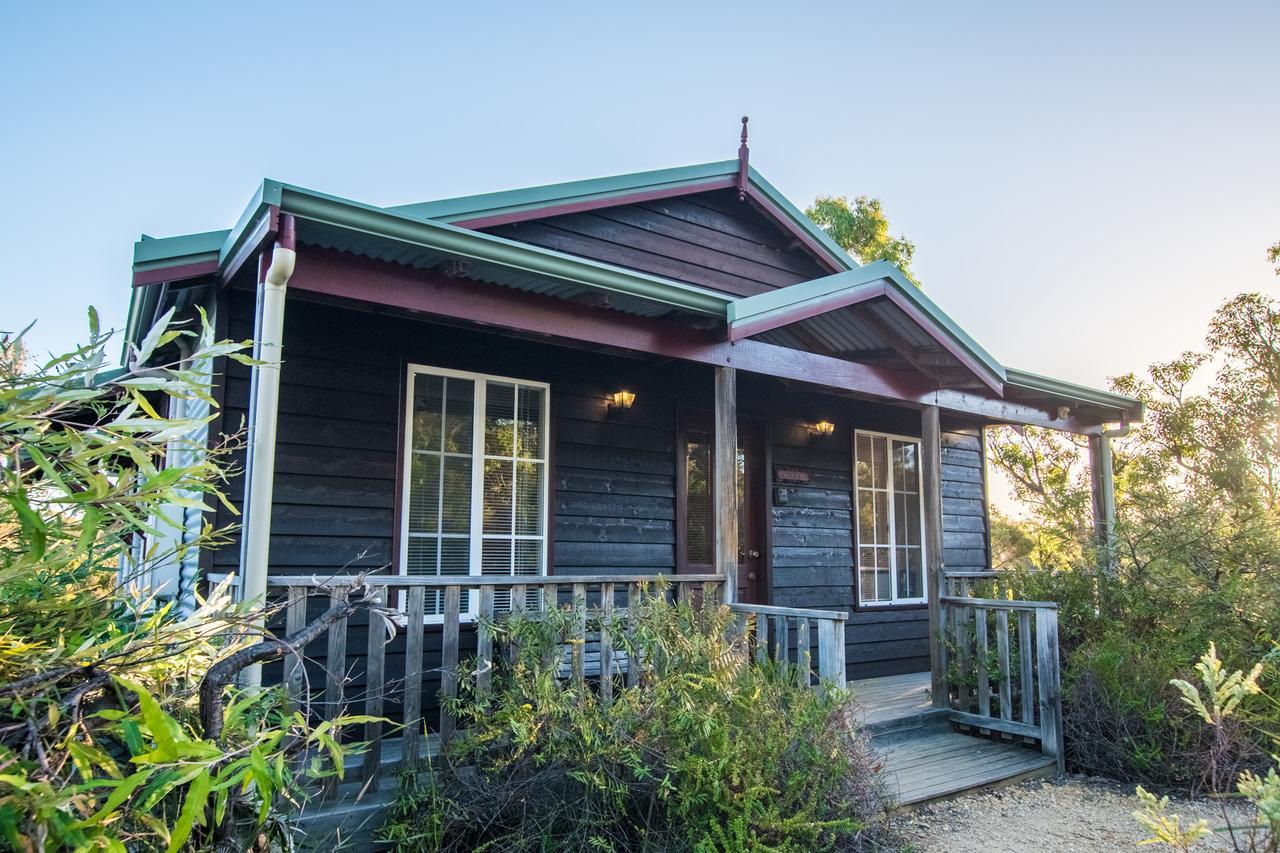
822 429
620 402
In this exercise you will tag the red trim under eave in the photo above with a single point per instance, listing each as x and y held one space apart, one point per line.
333 274
592 204
142 278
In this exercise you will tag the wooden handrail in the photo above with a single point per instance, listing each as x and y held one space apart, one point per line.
999 603
795 612
469 581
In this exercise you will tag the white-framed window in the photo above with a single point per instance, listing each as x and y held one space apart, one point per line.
475 479
890 517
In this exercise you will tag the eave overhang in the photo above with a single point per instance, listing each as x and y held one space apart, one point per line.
879 281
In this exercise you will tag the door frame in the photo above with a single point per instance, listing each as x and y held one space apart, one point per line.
688 417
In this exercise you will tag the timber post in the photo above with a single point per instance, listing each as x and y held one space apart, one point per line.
725 480
1103 494
931 475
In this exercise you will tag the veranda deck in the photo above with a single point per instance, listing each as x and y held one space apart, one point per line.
924 758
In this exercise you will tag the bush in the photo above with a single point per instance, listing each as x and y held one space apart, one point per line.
706 753
102 746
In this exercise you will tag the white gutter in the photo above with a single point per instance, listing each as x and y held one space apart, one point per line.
263 418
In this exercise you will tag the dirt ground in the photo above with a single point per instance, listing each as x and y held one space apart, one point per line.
1075 814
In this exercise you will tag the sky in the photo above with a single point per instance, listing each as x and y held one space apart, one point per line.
1085 183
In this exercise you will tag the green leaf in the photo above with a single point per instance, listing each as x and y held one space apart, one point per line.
192 809
123 789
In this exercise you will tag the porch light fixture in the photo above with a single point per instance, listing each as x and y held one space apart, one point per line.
823 429
620 402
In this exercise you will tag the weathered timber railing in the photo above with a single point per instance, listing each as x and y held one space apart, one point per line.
441 622
1014 686
786 635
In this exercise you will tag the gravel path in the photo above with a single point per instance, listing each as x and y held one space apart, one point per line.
1075 814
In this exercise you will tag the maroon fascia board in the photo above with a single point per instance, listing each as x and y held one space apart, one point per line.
945 341
769 208
181 272
592 204
810 309
332 274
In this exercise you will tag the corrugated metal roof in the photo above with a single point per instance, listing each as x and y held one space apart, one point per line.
324 236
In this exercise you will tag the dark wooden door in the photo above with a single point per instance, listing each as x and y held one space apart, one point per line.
695 534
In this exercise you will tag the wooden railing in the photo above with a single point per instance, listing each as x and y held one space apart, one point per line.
786 636
441 622
1013 687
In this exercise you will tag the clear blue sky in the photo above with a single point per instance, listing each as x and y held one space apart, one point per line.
1084 184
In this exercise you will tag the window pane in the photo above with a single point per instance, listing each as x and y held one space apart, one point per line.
457 494
499 419
459 415
881 529
867 585
528 498
528 557
496 557
428 410
498 488
879 454
455 555
420 558
906 459
698 532
529 424
884 591
863 463
424 493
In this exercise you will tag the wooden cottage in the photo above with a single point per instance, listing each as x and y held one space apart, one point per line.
520 397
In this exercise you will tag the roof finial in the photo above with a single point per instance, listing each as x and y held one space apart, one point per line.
743 154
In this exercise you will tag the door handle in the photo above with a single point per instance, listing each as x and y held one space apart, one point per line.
751 576
753 553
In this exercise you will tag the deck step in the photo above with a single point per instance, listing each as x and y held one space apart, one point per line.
934 763
907 723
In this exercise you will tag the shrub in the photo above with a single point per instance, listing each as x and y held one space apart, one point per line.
706 753
101 740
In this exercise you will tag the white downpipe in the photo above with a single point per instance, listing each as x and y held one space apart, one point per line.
262 437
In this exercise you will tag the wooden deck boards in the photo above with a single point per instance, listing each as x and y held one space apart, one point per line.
924 759
892 697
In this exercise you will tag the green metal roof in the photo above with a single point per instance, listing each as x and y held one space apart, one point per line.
427 227
1022 380
485 205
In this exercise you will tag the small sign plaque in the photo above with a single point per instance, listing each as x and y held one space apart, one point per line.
790 475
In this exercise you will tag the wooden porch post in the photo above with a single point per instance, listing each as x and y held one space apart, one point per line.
725 479
1104 506
931 471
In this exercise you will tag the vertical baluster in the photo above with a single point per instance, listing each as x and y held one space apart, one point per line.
964 656
984 679
1002 649
415 617
484 644
373 698
781 640
841 675
294 621
519 603
578 641
1050 695
1027 663
944 654
606 644
550 604
449 660
335 665
827 650
633 654
762 638
802 652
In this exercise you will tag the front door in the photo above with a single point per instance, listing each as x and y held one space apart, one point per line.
695 533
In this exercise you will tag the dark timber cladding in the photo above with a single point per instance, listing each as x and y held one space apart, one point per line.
613 501
710 239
